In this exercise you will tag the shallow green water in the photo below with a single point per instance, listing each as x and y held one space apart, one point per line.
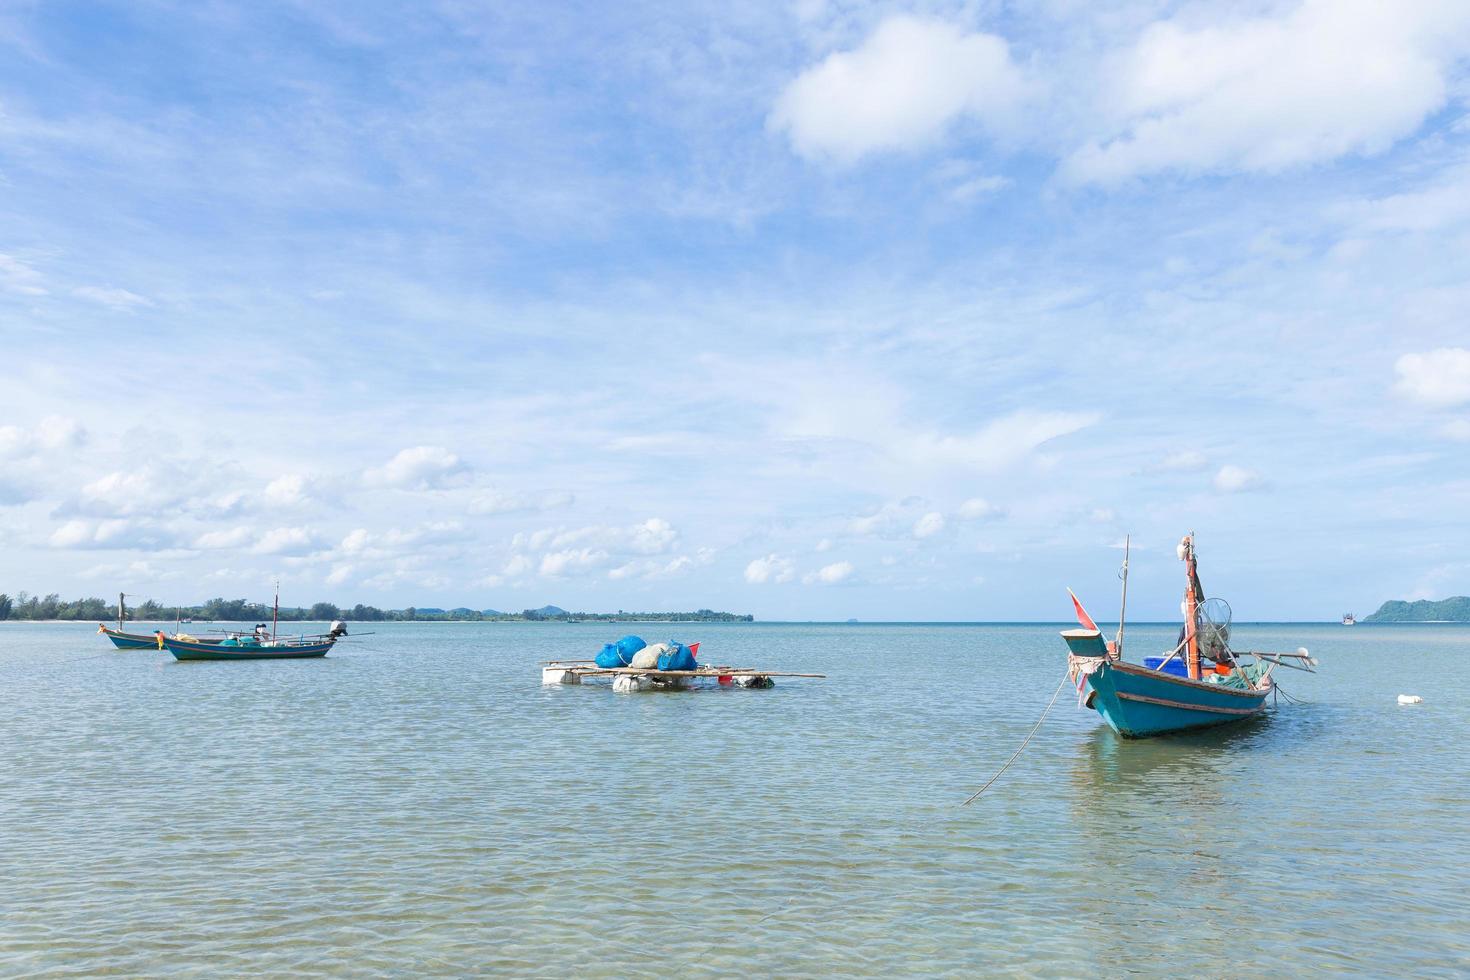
418 803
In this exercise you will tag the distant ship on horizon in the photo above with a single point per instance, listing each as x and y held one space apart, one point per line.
1348 619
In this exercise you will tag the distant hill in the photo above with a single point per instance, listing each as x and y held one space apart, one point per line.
1453 610
551 612
491 612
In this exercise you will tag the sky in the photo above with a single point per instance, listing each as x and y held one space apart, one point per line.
809 310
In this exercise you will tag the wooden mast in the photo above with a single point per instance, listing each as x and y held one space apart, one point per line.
276 612
121 612
1191 608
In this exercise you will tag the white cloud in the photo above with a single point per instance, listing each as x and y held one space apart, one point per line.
1330 77
235 537
830 574
929 525
500 502
17 276
1002 442
572 561
52 433
978 509
120 533
419 468
288 490
1439 378
824 545
117 299
1187 461
59 432
900 90
286 541
1237 479
772 568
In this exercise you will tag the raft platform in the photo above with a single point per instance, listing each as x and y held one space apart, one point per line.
629 679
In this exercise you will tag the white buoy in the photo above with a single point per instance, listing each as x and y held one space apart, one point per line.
1410 699
559 675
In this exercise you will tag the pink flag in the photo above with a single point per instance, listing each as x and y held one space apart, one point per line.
1082 616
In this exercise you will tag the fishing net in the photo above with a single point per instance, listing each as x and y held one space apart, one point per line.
1214 630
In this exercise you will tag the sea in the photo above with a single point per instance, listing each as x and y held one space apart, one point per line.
417 803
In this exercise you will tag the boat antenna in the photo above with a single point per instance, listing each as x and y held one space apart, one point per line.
1123 611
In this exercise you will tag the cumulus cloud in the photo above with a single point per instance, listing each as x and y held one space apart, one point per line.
419 468
978 509
1327 78
288 490
929 525
772 568
235 537
286 541
53 433
831 574
902 89
118 533
1237 479
555 564
1438 378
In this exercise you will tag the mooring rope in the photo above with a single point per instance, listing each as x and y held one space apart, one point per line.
1024 741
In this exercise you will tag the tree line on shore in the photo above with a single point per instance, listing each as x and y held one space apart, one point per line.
25 606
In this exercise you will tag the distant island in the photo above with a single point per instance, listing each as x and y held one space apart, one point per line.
29 607
1455 609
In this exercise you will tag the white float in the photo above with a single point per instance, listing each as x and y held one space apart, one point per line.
559 675
1410 699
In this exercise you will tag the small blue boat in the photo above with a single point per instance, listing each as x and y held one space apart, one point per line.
1202 682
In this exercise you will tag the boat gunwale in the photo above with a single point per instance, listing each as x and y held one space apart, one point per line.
1194 685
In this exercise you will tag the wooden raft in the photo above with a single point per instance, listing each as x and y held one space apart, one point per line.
587 668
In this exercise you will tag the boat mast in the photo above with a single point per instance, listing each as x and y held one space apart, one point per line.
121 612
1191 606
276 613
1123 611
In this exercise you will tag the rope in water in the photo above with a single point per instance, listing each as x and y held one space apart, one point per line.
1023 744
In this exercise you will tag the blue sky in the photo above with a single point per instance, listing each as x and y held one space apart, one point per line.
811 310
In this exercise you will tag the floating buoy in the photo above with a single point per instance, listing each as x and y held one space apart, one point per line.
1410 699
559 675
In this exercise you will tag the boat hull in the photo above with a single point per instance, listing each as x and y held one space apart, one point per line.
1138 702
205 651
130 641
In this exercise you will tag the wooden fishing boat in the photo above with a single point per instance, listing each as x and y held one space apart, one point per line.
247 648
124 640
1202 682
144 641
256 645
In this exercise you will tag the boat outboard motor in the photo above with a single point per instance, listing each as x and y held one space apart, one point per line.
339 628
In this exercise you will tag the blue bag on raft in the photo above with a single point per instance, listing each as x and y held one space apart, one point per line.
678 658
619 654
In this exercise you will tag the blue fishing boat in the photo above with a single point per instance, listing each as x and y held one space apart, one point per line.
248 648
256 645
1200 683
135 641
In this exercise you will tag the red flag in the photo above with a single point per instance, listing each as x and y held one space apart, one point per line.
694 649
1082 616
